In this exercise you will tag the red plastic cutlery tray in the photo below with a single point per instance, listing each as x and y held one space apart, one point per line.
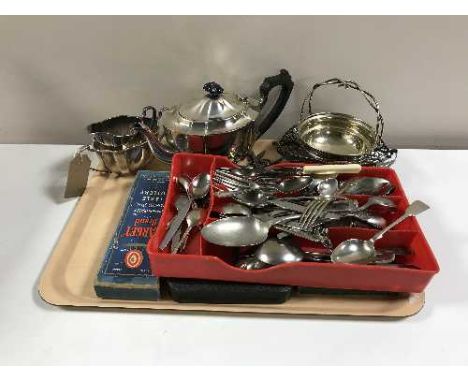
203 260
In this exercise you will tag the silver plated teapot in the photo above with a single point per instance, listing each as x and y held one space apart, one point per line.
217 123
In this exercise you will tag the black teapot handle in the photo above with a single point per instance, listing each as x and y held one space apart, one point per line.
284 80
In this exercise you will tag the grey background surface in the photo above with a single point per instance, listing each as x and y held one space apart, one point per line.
58 74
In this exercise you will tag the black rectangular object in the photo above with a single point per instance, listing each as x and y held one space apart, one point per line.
226 292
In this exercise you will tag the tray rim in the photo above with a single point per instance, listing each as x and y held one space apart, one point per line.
229 309
416 302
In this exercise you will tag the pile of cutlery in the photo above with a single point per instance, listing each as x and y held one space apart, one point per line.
298 201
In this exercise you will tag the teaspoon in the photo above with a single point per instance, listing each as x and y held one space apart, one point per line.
200 186
194 218
363 251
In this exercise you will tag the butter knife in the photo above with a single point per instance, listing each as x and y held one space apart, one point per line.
175 239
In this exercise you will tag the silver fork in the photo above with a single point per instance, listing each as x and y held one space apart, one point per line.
233 178
311 207
311 216
228 183
317 214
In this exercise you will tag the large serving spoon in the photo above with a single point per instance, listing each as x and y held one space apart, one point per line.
241 231
359 251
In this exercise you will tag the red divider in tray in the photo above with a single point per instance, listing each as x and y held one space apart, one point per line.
204 260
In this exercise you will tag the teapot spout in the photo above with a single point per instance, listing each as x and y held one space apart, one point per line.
159 150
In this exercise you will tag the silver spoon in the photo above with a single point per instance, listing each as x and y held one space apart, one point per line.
194 218
363 251
296 184
241 231
185 183
200 186
382 257
367 186
255 198
286 186
246 171
374 221
327 187
235 209
251 263
377 201
252 197
275 251
232 181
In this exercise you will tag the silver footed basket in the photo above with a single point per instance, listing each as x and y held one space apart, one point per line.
336 137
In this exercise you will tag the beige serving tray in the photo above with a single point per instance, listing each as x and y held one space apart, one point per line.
68 277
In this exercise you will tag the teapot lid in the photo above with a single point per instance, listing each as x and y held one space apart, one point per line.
216 113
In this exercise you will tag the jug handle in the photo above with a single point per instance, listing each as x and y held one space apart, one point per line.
284 80
153 116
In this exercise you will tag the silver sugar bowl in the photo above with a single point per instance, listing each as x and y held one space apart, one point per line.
119 147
